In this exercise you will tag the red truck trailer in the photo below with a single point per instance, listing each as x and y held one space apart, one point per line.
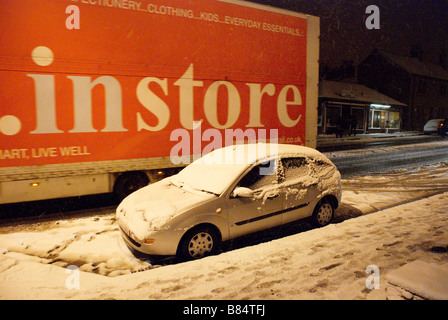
108 95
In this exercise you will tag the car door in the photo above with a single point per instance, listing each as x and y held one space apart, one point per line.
263 209
299 188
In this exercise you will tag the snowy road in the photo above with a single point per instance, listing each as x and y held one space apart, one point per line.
304 264
368 141
378 160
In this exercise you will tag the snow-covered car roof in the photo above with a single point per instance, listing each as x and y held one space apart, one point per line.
217 169
253 152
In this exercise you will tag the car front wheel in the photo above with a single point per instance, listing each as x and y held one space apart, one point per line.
197 243
323 213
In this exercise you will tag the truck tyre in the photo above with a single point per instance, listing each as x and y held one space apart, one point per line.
129 182
323 213
198 243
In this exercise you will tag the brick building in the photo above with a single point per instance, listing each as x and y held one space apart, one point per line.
421 85
341 102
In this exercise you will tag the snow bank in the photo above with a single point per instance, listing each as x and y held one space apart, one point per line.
324 263
93 244
421 279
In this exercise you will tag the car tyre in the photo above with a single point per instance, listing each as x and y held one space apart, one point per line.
323 213
198 243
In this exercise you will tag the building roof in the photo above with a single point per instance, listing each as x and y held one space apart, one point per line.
353 92
415 66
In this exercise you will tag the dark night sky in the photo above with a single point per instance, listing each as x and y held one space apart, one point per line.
403 23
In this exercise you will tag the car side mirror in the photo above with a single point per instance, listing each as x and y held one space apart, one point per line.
243 192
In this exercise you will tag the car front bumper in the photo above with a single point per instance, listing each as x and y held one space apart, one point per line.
164 243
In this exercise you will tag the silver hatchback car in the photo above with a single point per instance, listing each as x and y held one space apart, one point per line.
228 193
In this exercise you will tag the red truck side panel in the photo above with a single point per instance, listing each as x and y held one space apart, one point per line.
133 72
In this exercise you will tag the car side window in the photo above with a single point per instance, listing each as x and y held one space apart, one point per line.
295 167
260 176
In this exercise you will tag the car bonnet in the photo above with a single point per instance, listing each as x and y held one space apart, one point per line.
152 207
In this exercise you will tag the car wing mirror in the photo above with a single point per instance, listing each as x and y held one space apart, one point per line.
243 192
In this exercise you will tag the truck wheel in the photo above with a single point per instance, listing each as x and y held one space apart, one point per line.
323 213
197 243
129 182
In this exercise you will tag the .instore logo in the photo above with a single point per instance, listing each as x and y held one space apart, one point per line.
47 116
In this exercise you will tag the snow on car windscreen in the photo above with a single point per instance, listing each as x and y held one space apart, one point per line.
212 178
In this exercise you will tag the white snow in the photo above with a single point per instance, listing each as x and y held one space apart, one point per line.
388 149
421 279
331 140
388 221
223 165
151 207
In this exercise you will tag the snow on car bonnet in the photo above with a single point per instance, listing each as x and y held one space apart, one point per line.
151 207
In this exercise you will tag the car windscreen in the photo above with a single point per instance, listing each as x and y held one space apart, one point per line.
213 172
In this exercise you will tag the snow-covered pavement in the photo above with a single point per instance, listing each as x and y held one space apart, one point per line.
401 217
